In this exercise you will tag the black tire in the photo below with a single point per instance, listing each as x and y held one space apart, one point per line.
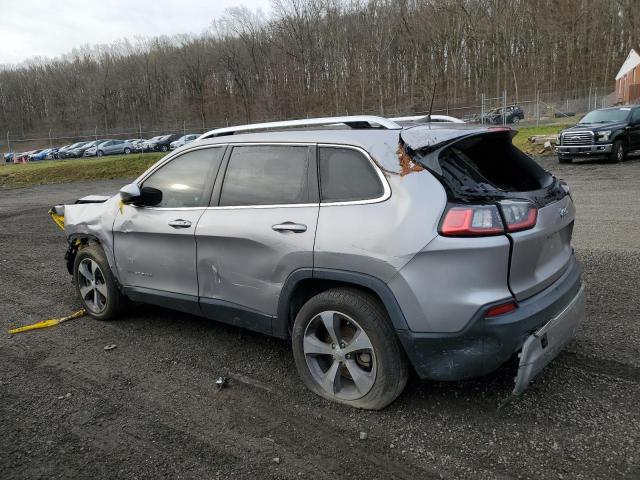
562 159
164 148
127 151
100 153
391 365
115 301
516 120
618 152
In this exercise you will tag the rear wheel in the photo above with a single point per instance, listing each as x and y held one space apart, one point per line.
100 153
96 285
127 151
516 120
346 350
618 152
164 148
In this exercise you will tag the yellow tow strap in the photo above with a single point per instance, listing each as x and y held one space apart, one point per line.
50 322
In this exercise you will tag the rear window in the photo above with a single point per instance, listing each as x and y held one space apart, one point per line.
491 162
347 175
266 175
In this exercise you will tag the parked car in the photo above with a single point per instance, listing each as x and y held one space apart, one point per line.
62 151
449 253
32 155
111 147
8 157
162 143
606 133
137 143
183 140
74 151
52 153
512 114
147 145
41 155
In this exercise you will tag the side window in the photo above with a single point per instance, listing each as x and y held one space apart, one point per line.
184 180
635 116
266 175
347 175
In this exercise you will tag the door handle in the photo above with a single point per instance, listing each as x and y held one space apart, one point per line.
180 223
290 227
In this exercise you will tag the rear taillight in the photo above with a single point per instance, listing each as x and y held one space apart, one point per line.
483 220
474 220
518 215
501 309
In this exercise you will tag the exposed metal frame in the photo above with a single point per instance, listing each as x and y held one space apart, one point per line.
353 121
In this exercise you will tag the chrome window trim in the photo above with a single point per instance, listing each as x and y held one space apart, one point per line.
386 194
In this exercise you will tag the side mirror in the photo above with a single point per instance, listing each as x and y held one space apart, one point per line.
130 193
145 196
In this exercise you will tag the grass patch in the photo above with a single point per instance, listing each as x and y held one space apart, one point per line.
521 140
63 171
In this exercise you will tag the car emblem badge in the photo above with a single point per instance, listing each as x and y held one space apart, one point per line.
564 211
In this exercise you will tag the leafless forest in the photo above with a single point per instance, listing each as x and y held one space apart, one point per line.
322 57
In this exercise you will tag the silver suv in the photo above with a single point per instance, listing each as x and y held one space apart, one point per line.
375 249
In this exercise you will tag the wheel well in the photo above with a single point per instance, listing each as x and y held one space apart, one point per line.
310 287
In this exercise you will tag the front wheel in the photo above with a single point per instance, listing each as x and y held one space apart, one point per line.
127 151
164 148
96 285
618 152
516 120
347 351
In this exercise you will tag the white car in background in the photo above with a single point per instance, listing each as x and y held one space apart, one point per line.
183 141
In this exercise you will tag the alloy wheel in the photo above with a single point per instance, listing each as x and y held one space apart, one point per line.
92 285
339 355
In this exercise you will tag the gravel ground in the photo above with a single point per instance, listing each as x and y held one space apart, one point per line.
150 409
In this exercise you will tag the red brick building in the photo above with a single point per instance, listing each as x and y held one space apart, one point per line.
628 79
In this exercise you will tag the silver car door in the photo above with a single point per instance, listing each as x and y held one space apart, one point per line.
154 246
261 231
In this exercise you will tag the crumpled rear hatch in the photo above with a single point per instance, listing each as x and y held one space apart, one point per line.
483 167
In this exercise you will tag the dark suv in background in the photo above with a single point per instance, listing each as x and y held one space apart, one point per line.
607 133
163 144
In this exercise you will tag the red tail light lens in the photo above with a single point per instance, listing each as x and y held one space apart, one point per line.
471 221
519 215
501 309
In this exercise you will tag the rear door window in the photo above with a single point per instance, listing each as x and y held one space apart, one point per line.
266 175
347 175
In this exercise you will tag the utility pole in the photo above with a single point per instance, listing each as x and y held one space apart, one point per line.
8 142
95 132
50 141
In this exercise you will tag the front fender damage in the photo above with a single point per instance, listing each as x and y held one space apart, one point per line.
89 219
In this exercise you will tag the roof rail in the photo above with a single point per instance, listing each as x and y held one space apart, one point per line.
355 121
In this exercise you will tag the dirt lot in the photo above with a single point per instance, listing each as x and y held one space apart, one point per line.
150 408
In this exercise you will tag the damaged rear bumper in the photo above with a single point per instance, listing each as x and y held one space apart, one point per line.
487 343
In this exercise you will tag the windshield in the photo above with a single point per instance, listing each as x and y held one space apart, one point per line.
605 116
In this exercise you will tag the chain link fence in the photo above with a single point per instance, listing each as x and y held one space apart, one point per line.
537 107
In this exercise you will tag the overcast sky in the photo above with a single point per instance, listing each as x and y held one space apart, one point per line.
48 28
